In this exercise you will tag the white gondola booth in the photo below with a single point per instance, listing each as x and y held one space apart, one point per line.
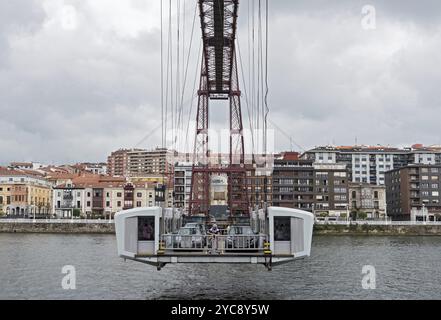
142 235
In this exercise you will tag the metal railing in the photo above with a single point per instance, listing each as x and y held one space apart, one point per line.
214 243
378 223
87 221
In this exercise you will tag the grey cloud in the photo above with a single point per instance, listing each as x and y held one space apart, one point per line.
76 95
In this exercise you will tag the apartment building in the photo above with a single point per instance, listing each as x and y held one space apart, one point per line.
23 194
182 185
331 189
293 184
414 192
260 187
140 163
144 162
368 164
117 163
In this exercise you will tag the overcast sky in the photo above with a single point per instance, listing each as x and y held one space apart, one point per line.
79 79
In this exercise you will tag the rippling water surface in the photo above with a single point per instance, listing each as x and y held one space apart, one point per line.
406 268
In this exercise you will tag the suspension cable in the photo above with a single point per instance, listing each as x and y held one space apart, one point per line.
186 70
266 78
162 80
246 98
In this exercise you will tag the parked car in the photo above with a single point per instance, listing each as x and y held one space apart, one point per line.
197 225
242 237
190 237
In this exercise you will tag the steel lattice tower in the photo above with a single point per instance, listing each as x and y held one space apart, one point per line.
219 81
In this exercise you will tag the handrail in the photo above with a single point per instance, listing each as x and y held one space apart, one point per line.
58 221
378 223
214 243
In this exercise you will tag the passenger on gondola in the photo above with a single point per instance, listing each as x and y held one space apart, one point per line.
214 229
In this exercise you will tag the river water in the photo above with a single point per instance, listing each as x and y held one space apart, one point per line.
406 268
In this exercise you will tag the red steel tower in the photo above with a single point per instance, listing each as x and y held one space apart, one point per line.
219 81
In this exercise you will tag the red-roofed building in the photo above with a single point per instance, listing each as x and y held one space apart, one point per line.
102 197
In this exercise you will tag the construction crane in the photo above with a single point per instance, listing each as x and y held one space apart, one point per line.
219 81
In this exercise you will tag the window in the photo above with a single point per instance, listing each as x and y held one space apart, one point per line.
434 170
435 185
282 229
78 194
146 228
376 194
434 178
354 194
425 178
108 194
88 203
1 200
138 204
88 194
107 204
435 194
139 195
119 194
78 204
118 204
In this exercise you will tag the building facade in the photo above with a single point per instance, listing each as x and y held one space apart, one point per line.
182 185
366 199
103 199
293 184
331 190
144 162
117 163
414 192
369 164
23 194
260 186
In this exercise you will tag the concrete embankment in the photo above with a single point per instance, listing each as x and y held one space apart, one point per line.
329 229
68 227
377 230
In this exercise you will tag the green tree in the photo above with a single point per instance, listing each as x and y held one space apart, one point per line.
324 214
361 215
76 213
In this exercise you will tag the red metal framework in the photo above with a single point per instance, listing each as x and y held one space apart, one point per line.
219 81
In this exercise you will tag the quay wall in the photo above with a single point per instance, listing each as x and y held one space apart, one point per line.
66 228
377 230
319 229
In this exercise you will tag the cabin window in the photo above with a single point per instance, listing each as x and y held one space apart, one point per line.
282 229
146 228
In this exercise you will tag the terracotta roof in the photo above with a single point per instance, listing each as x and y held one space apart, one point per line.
27 164
10 172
